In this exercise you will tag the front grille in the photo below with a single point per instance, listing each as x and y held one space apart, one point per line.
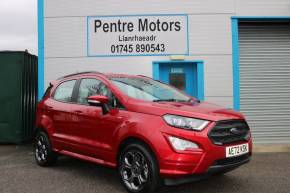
232 160
229 131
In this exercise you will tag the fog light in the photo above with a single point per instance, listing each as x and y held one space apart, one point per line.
248 136
181 144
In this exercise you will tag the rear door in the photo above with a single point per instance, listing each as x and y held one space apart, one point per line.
59 109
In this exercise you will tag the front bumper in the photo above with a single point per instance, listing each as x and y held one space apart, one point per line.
220 166
197 162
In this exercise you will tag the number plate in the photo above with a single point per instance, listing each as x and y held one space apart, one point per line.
237 150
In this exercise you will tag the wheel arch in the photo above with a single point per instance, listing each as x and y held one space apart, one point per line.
42 129
136 139
44 123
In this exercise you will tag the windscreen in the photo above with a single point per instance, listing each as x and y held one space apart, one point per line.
148 90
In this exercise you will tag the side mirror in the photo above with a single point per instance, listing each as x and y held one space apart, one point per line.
99 101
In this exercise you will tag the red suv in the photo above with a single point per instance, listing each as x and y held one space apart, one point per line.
150 131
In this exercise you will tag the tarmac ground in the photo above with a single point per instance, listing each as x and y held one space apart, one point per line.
266 173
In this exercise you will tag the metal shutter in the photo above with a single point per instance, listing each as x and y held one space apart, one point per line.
265 80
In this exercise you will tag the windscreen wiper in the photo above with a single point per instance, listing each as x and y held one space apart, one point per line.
168 100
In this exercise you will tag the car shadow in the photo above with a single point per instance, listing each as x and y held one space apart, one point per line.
109 176
218 183
89 171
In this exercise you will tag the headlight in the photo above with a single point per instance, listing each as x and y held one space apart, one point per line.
185 122
181 144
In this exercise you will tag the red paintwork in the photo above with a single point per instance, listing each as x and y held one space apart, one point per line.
86 133
99 98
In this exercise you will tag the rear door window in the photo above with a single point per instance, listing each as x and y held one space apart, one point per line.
64 91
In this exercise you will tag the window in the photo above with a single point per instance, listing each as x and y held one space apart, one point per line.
113 101
88 87
64 91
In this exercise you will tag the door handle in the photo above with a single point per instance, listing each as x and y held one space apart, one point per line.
78 112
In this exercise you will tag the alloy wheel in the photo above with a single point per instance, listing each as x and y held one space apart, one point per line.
134 170
41 149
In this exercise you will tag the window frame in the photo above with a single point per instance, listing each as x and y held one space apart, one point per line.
47 92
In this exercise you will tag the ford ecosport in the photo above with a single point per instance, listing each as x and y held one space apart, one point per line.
150 131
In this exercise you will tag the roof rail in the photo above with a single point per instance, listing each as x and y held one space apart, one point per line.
143 76
79 73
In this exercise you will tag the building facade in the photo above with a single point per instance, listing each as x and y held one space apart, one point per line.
235 53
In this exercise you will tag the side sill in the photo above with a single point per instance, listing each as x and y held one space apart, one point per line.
87 158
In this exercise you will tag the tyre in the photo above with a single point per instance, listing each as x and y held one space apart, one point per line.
138 169
44 155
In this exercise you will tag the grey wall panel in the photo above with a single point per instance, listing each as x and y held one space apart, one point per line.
65 37
263 7
208 34
57 67
265 80
218 75
60 8
226 102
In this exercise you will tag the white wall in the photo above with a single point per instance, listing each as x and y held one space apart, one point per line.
209 34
